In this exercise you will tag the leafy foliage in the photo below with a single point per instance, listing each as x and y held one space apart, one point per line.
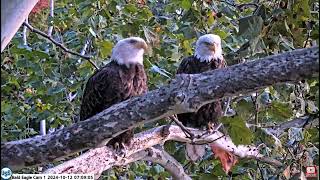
41 82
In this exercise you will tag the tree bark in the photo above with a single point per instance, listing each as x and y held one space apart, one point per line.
13 13
186 93
101 159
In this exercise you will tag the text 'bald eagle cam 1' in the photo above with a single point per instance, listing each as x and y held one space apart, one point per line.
208 56
121 79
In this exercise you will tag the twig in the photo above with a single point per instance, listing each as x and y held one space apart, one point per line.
270 161
210 132
59 44
51 15
308 36
227 107
247 5
25 33
300 122
83 51
242 6
256 109
184 129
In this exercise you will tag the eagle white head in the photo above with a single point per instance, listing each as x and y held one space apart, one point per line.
208 48
129 51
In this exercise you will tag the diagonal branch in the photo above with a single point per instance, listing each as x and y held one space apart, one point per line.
100 159
180 96
59 44
160 156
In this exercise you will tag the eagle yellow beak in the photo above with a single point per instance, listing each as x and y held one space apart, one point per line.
212 47
142 45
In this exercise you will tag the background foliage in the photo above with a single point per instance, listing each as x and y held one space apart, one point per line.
41 82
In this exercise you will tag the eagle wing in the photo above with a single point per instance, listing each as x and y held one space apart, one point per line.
187 66
208 113
101 91
110 85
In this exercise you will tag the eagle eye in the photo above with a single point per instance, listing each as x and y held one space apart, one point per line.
206 43
132 41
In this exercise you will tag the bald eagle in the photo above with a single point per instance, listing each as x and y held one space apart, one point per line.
121 79
208 56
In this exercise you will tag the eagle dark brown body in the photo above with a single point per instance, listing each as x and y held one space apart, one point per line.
208 113
110 85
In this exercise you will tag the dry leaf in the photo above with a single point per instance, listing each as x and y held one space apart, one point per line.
227 159
286 172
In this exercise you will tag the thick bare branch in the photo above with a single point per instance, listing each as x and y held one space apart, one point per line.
100 159
186 93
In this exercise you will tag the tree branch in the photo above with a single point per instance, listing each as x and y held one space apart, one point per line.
160 156
24 34
300 122
59 44
100 159
50 29
185 93
241 6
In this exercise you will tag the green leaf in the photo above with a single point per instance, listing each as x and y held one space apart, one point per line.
179 155
217 170
40 54
105 48
303 9
210 19
146 13
237 130
23 63
250 27
221 33
244 108
208 176
5 106
186 4
280 111
56 89
262 12
130 8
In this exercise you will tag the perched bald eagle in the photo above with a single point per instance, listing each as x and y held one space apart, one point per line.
121 79
207 56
